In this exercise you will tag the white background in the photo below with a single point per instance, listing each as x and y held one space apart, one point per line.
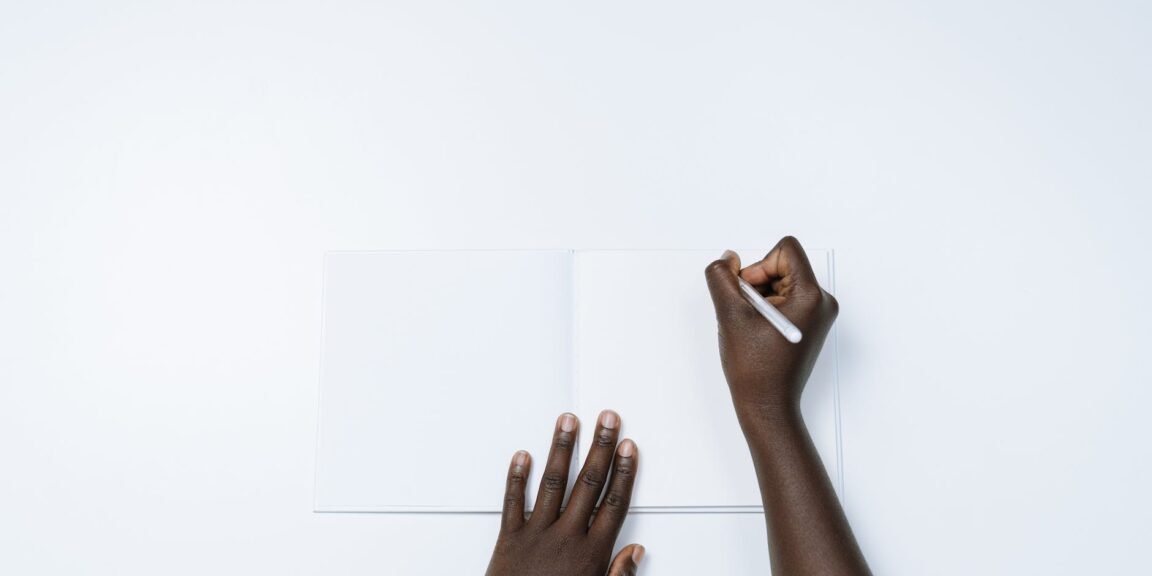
170 175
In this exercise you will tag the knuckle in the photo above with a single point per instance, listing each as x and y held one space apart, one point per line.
615 500
715 267
563 442
592 478
832 304
624 468
516 477
791 245
606 439
554 482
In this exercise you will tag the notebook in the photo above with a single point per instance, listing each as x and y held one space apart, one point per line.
438 365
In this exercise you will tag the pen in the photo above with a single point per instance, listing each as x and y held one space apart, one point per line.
768 311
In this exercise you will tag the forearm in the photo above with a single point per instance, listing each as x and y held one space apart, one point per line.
807 531
766 373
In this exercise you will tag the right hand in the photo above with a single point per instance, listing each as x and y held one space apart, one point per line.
764 370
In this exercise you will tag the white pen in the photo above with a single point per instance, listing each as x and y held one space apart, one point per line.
768 311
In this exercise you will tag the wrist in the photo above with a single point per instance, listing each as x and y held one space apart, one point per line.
768 417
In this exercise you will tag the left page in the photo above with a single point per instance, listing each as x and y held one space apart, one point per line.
437 366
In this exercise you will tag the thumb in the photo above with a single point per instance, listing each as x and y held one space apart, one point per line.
627 561
722 283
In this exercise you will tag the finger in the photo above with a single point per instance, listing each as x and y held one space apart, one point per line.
590 483
513 517
627 562
554 482
722 283
784 268
614 507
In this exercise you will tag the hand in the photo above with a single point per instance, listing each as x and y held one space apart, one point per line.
764 370
575 542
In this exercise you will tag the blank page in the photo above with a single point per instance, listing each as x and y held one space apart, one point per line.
437 366
646 346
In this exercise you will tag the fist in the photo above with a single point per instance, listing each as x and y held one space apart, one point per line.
763 369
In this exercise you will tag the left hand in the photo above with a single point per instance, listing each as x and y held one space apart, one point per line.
575 542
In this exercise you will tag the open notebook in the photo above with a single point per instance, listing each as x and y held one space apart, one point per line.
438 365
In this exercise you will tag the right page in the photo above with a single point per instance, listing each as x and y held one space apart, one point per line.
646 347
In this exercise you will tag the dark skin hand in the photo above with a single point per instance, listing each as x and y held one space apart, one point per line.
577 541
807 530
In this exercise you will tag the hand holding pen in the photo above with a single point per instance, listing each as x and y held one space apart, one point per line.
765 360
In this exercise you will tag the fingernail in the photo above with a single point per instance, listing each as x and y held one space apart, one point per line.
520 459
637 554
567 422
609 419
627 449
727 254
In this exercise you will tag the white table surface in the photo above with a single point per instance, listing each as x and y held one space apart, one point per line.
171 173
